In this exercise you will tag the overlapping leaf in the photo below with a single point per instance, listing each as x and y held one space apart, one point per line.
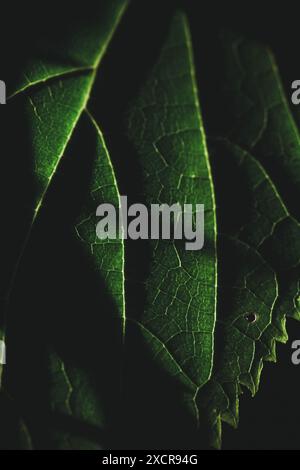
262 166
208 317
167 148
48 100
49 95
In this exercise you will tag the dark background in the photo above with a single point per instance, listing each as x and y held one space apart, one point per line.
270 420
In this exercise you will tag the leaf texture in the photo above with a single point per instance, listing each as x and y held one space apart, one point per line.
165 126
51 96
208 318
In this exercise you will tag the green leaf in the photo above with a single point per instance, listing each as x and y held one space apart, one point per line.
165 127
72 392
249 288
106 255
260 219
256 114
51 98
63 53
209 318
258 141
267 255
78 391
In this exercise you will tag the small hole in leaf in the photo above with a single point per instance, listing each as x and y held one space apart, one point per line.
251 317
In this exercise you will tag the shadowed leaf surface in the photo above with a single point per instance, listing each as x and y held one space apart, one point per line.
124 339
